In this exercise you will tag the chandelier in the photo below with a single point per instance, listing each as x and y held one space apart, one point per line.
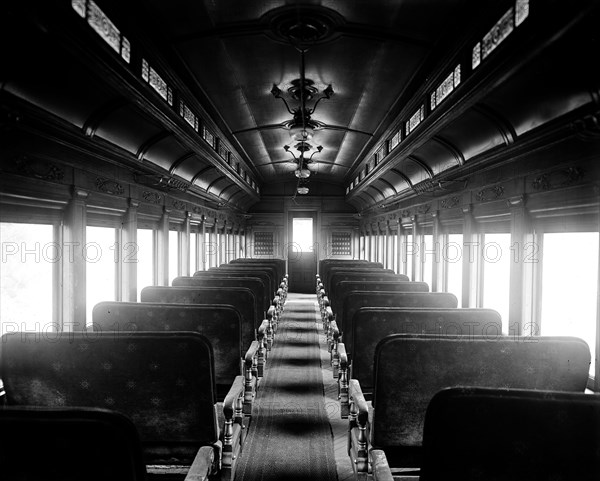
302 171
301 127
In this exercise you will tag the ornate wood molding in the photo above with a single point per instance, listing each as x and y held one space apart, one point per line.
558 178
109 186
39 169
161 182
450 202
152 197
490 193
178 204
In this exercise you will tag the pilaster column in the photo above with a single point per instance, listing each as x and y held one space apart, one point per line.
417 249
437 278
162 261
389 259
519 317
130 245
399 249
186 245
74 263
470 262
203 243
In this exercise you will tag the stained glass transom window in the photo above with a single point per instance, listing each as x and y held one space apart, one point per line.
208 136
223 152
379 155
415 119
188 115
476 56
500 31
156 82
446 87
103 26
522 11
395 141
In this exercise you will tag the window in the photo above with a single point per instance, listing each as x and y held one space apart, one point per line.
570 286
173 255
408 256
302 232
207 251
428 257
513 17
145 259
496 259
395 253
193 250
210 139
394 141
451 255
101 260
188 115
156 82
446 87
26 287
415 120
103 27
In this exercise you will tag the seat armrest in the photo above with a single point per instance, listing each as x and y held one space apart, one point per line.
202 465
358 445
357 398
250 355
261 331
341 347
250 375
265 338
380 467
343 380
233 427
236 391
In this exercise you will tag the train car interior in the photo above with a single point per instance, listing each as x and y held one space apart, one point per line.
300 239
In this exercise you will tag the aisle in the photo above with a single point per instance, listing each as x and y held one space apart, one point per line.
290 436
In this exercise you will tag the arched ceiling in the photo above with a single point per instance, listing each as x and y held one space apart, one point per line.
225 60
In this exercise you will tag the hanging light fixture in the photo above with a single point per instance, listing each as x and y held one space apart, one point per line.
302 188
302 127
302 172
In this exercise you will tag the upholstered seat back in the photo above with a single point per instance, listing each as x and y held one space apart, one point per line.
410 369
164 382
258 286
240 298
68 445
344 287
355 300
371 324
533 435
221 324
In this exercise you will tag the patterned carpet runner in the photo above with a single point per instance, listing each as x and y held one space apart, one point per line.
290 436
